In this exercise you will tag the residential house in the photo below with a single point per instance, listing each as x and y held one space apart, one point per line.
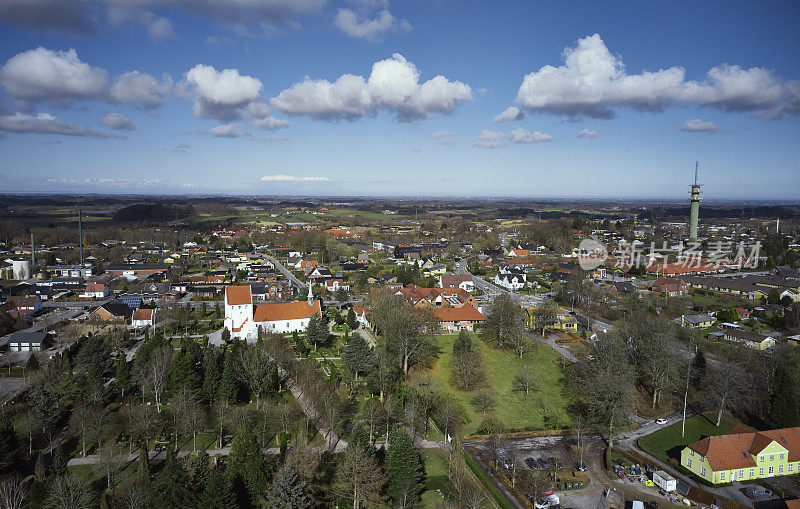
95 291
700 321
512 280
137 270
752 339
463 281
437 270
670 286
334 284
112 312
362 315
744 455
453 319
24 304
143 317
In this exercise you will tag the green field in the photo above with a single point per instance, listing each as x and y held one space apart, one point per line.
436 478
668 442
515 409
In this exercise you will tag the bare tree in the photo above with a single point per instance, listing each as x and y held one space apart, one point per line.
504 321
194 420
254 367
176 410
545 315
80 421
652 346
12 492
156 374
220 410
69 492
525 379
408 331
727 382
112 462
144 424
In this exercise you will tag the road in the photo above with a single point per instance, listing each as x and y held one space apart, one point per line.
493 291
299 285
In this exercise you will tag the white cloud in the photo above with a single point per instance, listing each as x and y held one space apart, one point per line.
65 16
45 123
182 147
593 82
444 137
586 133
348 22
292 178
393 85
121 182
56 76
225 94
229 131
117 121
160 29
696 125
497 139
271 124
510 113
141 89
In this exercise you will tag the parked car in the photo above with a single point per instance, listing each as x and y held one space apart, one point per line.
758 493
543 462
546 502
531 463
661 421
546 490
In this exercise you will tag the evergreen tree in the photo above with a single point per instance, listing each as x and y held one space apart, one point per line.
358 355
287 491
226 335
212 374
359 437
351 319
317 331
783 409
172 482
217 493
403 468
184 371
462 344
144 462
699 369
8 442
123 376
247 464
229 384
33 362
201 473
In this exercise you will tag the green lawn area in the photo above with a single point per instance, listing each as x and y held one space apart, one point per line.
668 442
515 409
436 477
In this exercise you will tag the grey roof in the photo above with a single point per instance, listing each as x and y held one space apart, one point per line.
703 317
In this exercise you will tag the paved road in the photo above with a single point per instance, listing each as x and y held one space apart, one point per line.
550 340
299 285
493 291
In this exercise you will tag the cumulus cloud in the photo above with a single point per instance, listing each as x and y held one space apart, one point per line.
45 123
593 82
141 90
229 131
393 85
348 22
270 123
497 139
586 133
292 178
223 95
63 16
444 137
56 76
510 113
117 121
696 125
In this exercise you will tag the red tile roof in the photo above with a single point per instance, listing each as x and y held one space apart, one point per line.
737 448
143 314
237 295
286 311
462 314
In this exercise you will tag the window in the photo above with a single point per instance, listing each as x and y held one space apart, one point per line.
760 470
771 470
741 473
702 470
761 458
772 457
691 452
752 472
722 476
790 467
689 462
780 469
781 455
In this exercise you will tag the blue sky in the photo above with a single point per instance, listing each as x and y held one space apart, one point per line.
226 96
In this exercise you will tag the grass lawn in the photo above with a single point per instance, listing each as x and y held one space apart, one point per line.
668 442
514 408
436 473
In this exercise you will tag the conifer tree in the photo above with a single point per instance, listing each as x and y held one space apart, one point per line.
783 408
288 491
403 468
358 356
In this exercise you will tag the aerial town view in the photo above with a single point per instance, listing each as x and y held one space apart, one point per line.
415 254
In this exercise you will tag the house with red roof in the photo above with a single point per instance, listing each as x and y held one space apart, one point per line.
243 318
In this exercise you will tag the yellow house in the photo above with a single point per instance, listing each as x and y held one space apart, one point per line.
566 321
743 455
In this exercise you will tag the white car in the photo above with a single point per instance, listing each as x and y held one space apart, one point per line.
548 501
661 421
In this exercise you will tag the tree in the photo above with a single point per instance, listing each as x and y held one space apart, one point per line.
525 379
171 485
504 321
217 493
68 492
359 477
358 355
212 373
545 315
154 379
403 468
112 462
123 375
783 408
450 415
226 334
254 370
33 362
466 369
727 382
317 331
699 370
80 421
9 445
12 492
246 462
229 384
288 491
351 321
463 343
652 349
194 421
408 331
484 402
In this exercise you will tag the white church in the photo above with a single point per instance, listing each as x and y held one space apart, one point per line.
243 318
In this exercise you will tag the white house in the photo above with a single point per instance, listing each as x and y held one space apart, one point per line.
95 291
243 319
143 318
510 281
334 284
